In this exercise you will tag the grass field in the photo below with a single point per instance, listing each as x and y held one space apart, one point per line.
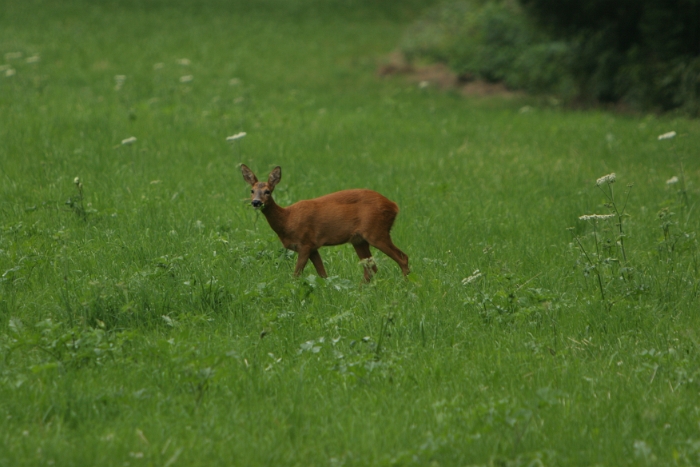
148 315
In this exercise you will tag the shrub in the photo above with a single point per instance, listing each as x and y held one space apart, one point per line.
493 41
543 68
644 53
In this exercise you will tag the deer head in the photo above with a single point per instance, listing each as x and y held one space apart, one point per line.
261 192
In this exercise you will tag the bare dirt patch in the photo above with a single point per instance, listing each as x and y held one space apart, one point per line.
440 76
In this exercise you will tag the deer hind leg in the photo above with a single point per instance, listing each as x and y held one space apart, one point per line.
318 263
385 245
363 252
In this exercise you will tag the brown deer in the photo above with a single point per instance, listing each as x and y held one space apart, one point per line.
360 217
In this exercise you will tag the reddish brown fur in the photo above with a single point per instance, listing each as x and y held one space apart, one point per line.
359 217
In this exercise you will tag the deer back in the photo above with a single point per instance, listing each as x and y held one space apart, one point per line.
336 218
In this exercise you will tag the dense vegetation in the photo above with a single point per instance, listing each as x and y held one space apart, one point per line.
644 54
148 316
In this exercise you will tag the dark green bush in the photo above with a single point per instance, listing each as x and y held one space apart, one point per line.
641 52
493 41
644 53
544 68
491 44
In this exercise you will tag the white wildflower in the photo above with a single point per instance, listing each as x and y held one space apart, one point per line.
186 78
33 59
596 217
609 178
368 262
130 140
669 135
236 136
183 61
12 56
119 80
642 450
10 72
475 275
672 181
423 84
76 180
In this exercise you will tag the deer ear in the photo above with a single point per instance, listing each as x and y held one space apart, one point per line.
275 177
248 175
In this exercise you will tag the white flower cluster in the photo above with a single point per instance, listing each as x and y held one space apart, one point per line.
119 82
596 217
669 135
236 136
475 275
672 181
130 140
609 178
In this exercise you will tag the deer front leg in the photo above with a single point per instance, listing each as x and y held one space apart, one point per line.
318 263
302 258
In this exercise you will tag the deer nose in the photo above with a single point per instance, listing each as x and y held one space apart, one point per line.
257 203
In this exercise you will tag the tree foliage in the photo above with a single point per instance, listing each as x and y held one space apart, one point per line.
643 52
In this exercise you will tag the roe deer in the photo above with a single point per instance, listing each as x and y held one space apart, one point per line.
360 217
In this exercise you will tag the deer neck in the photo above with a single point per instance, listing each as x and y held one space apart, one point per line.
276 216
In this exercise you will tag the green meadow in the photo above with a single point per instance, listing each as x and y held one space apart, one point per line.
148 315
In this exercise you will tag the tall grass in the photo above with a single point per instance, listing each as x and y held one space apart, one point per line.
149 316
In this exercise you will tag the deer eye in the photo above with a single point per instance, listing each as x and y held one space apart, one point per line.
252 191
267 192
